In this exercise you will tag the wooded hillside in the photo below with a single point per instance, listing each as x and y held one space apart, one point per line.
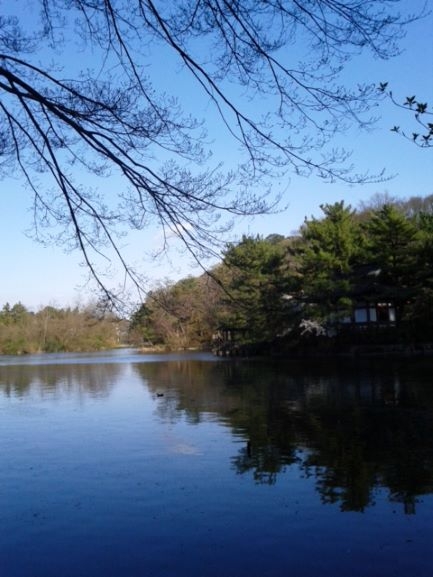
349 266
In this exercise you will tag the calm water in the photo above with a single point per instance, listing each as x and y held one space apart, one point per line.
122 465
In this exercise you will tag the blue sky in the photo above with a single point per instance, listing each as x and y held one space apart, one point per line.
37 275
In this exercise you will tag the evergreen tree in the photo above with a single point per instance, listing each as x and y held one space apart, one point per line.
256 287
391 248
329 249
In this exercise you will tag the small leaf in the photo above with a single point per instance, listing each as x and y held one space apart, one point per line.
415 135
410 100
421 107
395 129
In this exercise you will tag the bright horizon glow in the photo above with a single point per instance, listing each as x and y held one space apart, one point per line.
37 276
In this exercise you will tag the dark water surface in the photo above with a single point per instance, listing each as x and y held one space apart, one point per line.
124 465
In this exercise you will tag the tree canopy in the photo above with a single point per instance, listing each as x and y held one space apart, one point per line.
351 276
328 250
318 283
78 101
53 329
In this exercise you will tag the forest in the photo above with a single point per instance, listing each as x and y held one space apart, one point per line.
351 276
54 329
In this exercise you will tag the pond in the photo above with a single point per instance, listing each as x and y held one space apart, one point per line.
184 465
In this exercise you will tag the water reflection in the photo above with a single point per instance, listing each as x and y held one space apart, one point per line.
59 380
353 429
190 465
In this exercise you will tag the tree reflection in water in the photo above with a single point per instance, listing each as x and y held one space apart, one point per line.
355 429
59 380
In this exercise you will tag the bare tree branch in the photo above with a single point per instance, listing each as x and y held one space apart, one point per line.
61 129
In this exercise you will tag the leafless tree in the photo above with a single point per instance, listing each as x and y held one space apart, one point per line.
63 124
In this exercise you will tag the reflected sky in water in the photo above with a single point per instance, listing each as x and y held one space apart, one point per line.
119 465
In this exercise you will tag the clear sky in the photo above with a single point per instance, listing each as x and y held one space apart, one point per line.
37 275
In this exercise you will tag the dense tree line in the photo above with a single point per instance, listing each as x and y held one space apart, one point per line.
291 290
53 329
307 285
